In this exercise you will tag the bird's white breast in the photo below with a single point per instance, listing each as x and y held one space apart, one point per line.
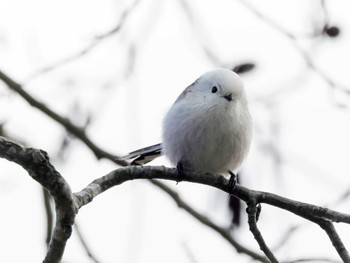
207 138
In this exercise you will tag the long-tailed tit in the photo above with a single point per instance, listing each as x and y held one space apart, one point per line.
208 128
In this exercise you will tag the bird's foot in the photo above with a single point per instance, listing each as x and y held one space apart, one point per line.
232 181
180 172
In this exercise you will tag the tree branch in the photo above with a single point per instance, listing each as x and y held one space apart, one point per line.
310 212
293 40
335 239
49 215
252 214
65 122
36 163
85 245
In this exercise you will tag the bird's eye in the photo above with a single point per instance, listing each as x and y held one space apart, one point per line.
214 89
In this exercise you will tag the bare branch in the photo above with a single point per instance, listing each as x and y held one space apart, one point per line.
310 212
65 122
317 260
336 241
49 215
252 212
206 221
36 163
293 40
83 242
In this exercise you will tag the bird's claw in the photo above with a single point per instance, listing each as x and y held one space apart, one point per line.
180 171
232 181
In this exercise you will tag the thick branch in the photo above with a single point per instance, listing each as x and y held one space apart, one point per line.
121 175
36 163
310 212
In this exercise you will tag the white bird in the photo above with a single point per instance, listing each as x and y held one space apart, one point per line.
208 128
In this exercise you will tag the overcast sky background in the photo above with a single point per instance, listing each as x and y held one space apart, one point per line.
124 85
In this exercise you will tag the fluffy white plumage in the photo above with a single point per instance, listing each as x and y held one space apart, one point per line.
208 128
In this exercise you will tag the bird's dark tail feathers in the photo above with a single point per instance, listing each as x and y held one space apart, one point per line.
144 155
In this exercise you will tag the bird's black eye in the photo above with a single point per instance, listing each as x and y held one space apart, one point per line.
214 89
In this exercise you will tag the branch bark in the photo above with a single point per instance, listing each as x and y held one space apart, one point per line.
313 213
253 227
36 163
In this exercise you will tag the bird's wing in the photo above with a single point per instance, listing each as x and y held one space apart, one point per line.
144 155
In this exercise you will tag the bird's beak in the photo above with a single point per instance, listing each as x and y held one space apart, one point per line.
228 96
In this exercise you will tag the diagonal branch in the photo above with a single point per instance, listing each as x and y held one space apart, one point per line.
65 122
206 221
335 239
85 245
293 40
253 227
49 215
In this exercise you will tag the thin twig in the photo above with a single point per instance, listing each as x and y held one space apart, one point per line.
206 221
91 46
65 122
317 260
293 40
49 215
83 242
336 241
253 227
293 229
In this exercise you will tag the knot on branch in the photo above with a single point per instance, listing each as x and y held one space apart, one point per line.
67 230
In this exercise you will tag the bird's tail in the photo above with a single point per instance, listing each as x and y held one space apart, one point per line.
144 155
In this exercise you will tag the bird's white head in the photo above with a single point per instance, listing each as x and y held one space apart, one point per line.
216 85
